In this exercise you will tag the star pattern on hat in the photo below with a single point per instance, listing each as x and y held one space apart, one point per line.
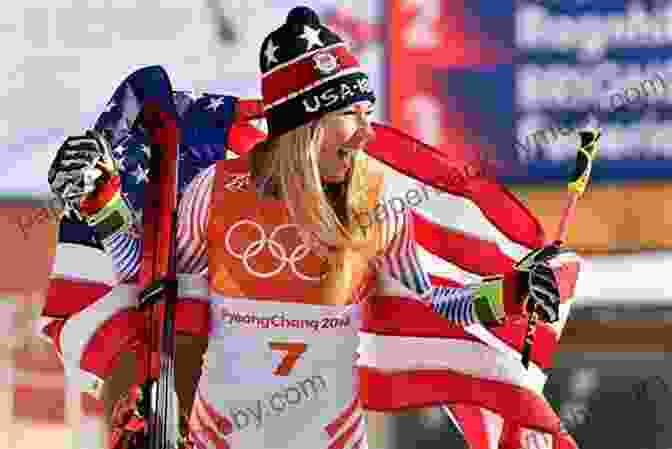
269 53
215 103
312 37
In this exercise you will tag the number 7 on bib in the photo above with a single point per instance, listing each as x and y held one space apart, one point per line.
292 353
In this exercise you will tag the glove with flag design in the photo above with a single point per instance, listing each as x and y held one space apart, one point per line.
83 175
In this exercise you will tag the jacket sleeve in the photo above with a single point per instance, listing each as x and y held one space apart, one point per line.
401 270
193 214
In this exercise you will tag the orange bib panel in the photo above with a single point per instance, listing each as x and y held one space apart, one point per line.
255 252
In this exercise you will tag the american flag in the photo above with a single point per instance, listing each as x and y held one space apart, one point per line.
470 228
86 307
410 358
204 123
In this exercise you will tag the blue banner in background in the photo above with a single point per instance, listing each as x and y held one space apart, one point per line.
601 62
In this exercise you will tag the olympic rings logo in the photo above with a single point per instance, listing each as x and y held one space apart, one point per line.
276 249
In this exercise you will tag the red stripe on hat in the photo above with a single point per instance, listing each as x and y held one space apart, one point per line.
302 73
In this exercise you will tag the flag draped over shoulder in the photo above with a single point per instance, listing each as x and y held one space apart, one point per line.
86 307
467 226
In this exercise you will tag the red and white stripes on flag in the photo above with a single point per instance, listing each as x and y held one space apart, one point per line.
467 228
92 319
80 327
347 431
100 320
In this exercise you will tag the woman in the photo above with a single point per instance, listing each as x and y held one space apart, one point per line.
274 243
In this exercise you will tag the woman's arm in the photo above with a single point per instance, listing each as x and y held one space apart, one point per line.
400 264
463 306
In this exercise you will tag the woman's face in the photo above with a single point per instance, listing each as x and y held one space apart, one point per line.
345 133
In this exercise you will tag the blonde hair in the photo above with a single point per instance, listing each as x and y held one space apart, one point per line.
287 166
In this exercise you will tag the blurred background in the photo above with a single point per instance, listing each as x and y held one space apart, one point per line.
464 75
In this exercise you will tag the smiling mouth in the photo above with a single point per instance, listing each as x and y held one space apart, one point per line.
344 152
342 173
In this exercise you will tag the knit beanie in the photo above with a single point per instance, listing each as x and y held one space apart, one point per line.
307 71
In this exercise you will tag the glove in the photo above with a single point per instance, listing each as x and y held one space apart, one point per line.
532 285
80 163
539 283
495 298
84 177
